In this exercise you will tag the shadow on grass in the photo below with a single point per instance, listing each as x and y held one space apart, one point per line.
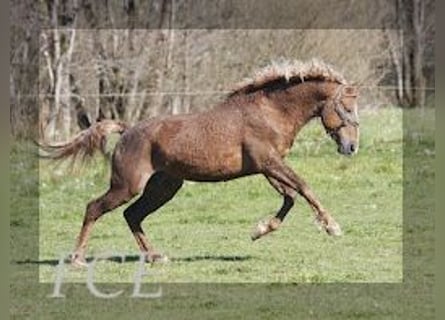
134 258
213 258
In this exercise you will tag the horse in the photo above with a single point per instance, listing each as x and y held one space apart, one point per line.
249 132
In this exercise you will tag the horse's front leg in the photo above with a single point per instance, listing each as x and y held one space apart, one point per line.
278 170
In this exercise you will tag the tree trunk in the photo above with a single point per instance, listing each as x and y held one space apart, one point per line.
167 11
418 80
411 59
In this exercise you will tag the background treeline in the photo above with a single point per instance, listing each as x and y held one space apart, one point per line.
83 66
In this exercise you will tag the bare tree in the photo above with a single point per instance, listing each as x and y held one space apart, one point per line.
409 49
104 71
58 46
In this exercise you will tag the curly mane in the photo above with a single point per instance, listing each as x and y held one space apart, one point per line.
287 71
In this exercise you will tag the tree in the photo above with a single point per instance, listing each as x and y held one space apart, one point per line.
411 50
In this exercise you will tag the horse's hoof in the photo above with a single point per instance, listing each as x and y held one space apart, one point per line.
260 230
156 258
334 229
264 228
78 262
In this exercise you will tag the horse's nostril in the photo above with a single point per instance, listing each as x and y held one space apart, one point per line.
352 147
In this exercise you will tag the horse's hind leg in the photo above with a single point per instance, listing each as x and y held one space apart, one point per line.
159 189
289 194
113 198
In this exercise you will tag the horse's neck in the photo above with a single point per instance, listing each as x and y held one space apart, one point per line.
301 103
288 111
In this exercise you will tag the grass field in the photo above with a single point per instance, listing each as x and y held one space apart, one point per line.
363 193
205 229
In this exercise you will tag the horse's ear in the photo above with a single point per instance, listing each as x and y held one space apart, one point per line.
351 91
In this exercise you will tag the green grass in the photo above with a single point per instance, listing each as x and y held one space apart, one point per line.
205 229
360 192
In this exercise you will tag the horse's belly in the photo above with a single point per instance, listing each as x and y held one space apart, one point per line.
195 148
205 166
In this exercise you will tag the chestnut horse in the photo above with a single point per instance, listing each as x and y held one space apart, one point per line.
249 132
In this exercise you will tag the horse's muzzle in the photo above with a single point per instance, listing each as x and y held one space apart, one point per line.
348 148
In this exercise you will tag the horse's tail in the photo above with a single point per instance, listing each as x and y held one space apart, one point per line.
85 143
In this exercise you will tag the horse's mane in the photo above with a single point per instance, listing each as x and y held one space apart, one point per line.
285 70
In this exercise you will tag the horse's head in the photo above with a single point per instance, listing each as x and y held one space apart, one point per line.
340 119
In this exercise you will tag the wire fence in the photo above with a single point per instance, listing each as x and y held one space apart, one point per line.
195 93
